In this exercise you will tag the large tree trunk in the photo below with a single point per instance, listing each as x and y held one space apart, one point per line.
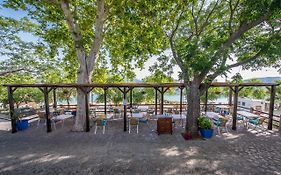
80 120
87 62
193 110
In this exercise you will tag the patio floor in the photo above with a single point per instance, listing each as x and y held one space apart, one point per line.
34 151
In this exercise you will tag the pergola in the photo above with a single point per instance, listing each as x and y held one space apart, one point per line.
128 87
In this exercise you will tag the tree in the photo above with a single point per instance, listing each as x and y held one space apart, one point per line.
209 38
86 31
18 54
21 95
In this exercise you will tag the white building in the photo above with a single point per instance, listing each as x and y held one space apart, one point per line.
253 103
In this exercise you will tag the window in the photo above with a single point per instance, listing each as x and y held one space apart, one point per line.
243 103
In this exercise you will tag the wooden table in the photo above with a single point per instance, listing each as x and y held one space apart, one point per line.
165 125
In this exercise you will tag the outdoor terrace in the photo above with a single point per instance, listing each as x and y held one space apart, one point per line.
116 152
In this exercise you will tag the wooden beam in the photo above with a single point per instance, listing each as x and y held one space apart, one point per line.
156 89
125 109
162 101
50 88
230 97
105 100
166 89
181 100
41 89
120 89
12 109
271 107
54 98
14 89
234 115
145 85
131 99
47 109
240 88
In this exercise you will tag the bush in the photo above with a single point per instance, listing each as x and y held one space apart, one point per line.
204 123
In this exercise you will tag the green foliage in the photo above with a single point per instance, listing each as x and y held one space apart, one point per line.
21 95
213 94
278 91
204 123
253 92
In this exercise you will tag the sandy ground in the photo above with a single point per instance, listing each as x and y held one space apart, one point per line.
34 151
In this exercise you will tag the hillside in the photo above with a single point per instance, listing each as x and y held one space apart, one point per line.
266 79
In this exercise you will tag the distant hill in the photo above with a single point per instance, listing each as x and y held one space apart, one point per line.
266 79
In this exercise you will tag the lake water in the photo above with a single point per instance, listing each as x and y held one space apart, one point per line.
170 98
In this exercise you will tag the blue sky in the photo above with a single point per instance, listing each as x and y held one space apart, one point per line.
246 74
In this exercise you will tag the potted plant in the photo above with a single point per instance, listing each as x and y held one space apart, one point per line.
205 127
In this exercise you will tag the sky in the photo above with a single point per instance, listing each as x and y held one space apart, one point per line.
140 74
246 74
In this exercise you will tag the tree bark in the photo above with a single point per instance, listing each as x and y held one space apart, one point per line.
193 110
80 120
87 62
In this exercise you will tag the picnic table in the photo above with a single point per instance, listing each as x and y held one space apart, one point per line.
247 115
137 115
212 115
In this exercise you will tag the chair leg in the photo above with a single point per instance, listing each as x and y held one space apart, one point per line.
38 122
137 129
226 129
96 129
54 125
103 129
129 128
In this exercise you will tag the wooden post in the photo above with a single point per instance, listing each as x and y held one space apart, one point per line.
47 109
156 89
125 110
206 100
230 97
162 101
131 99
180 101
234 115
87 111
105 92
12 109
55 98
271 107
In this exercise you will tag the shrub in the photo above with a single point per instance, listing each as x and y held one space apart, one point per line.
204 123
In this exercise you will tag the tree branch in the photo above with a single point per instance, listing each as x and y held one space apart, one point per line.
194 19
244 27
95 48
207 19
11 71
254 57
232 10
173 49
74 31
